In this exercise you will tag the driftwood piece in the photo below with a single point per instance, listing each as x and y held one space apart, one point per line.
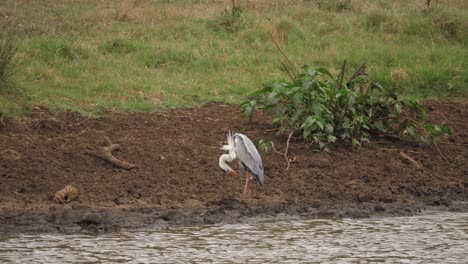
67 194
105 153
416 164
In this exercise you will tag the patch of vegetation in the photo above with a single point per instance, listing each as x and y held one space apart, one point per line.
335 5
118 46
8 63
448 26
51 49
229 21
326 109
161 58
266 146
85 57
289 31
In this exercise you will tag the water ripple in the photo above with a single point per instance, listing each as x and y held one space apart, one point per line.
434 238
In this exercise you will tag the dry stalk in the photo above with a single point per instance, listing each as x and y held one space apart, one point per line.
288 161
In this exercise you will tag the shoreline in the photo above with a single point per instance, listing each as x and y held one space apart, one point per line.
105 220
177 181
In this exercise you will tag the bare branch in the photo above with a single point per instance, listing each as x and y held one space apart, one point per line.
284 54
416 164
288 161
105 153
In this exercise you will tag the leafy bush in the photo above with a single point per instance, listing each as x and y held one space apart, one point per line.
325 109
8 65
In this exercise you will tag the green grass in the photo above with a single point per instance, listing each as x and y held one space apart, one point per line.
143 55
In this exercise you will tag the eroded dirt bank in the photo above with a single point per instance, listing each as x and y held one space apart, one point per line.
177 179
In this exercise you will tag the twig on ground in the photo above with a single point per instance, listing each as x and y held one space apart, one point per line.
105 153
454 144
395 149
74 135
411 160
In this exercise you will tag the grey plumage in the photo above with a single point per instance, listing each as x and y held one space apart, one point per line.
240 147
248 155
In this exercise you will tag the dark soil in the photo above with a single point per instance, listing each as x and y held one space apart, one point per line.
177 180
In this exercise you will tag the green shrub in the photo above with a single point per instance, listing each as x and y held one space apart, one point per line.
325 109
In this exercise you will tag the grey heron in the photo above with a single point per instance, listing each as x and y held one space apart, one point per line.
240 147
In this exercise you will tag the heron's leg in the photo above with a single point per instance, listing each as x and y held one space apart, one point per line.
247 178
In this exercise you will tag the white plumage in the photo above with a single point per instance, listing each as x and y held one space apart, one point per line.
240 147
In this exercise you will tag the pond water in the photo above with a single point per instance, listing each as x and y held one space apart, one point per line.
432 238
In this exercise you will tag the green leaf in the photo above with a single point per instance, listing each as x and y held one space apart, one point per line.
298 99
319 124
325 72
410 130
317 108
379 125
398 108
276 121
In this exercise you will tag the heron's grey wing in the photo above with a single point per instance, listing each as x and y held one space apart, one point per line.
248 154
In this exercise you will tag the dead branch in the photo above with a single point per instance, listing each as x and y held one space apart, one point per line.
411 160
285 56
359 72
395 149
105 153
454 144
341 76
288 161
287 71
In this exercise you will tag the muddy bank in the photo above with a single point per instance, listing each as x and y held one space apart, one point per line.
177 180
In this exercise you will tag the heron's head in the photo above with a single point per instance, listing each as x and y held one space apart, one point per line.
230 146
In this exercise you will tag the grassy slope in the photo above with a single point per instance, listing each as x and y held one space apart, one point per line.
139 55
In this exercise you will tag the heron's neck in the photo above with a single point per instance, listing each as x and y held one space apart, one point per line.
224 159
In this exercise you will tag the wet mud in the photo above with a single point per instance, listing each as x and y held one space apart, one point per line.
177 181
